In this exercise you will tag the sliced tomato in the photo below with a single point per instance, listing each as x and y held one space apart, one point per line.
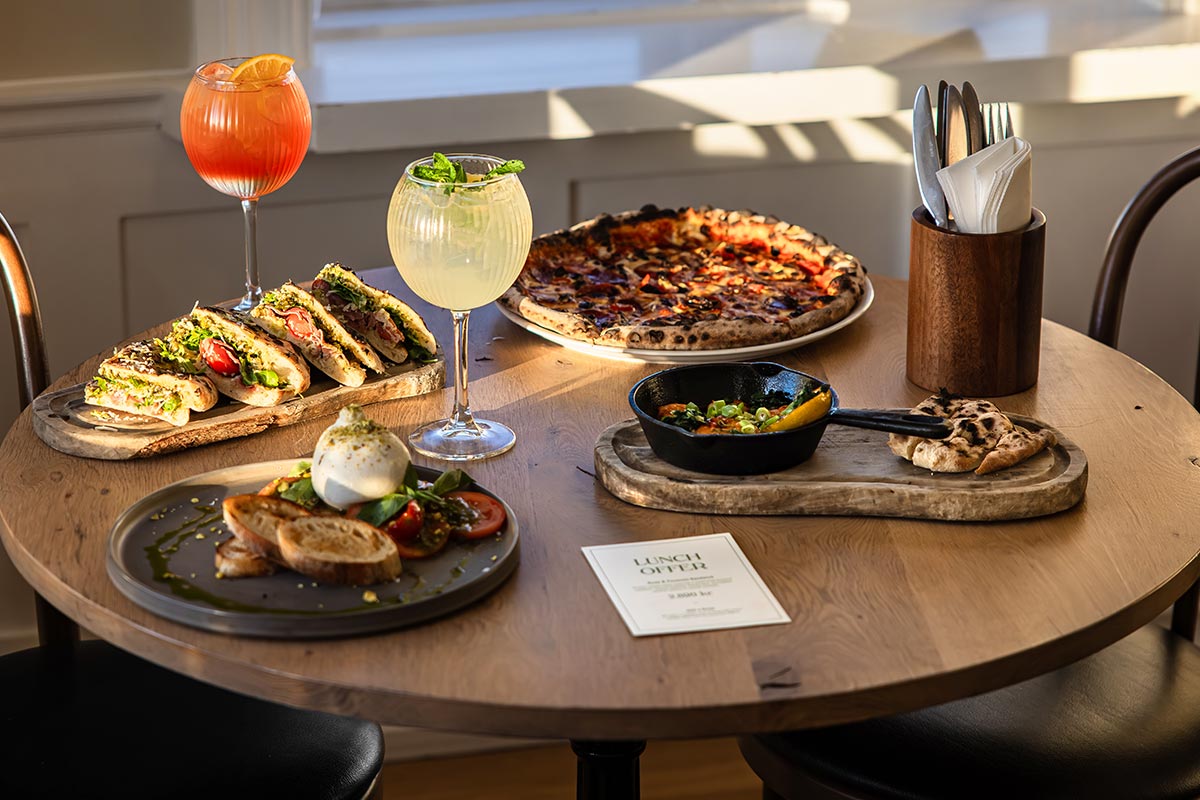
299 323
407 524
428 542
490 516
220 357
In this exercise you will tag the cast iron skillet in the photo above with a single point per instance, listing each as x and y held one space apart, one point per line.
753 453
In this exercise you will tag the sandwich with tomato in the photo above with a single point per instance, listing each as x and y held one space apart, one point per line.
242 361
389 324
293 315
138 380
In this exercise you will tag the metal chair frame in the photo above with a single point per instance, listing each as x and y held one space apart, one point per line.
1109 302
56 632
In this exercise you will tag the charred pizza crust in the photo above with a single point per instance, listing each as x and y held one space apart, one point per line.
686 279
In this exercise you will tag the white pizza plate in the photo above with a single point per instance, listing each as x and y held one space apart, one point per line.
690 356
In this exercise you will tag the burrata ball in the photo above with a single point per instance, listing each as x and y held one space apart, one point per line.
356 460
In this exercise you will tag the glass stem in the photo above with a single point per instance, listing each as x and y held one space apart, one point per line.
461 418
253 290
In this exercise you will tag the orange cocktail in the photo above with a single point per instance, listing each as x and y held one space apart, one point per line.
245 125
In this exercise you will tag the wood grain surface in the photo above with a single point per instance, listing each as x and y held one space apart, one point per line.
853 473
976 302
887 614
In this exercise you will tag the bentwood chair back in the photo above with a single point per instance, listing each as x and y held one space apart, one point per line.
85 719
1124 722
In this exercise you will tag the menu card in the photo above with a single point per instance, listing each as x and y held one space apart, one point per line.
697 583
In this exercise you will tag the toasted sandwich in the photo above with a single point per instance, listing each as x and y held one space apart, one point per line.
392 328
242 361
138 380
294 315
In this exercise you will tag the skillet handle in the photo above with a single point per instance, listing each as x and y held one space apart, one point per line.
922 425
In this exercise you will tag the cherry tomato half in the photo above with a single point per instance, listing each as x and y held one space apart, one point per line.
490 513
220 357
407 524
300 324
429 541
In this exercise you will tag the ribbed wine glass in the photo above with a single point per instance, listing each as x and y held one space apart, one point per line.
459 246
245 138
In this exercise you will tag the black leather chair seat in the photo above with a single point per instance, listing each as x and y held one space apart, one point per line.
114 726
1124 723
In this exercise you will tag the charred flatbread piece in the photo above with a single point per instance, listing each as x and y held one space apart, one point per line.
946 407
975 432
1016 446
981 439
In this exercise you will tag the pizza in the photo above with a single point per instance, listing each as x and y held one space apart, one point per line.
686 279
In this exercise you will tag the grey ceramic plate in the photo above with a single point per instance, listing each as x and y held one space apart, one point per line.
160 556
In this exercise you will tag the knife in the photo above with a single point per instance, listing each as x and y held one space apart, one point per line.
925 158
974 118
957 144
943 98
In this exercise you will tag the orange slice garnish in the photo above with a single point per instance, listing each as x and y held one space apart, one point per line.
267 67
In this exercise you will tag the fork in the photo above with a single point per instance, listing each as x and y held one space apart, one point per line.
999 123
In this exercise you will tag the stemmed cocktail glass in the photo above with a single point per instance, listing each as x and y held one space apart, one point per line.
460 245
245 124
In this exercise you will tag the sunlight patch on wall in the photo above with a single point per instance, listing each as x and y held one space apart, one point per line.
866 142
799 145
563 121
1097 76
783 97
728 139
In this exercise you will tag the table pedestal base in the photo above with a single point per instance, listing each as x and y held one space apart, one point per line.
608 770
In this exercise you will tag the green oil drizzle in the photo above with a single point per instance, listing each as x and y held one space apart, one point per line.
168 543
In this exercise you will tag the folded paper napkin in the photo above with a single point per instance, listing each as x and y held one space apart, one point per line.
991 191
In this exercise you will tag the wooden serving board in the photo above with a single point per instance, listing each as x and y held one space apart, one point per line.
65 422
852 473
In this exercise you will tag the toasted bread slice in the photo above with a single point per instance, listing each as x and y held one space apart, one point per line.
390 325
339 550
254 518
235 560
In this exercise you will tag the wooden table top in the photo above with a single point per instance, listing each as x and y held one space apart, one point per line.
888 615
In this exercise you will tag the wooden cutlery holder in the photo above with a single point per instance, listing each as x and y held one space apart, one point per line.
975 307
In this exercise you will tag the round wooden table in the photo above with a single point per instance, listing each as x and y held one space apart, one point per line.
888 615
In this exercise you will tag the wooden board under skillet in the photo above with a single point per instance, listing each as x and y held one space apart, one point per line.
852 473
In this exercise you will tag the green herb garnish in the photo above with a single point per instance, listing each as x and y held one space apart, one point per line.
380 511
443 170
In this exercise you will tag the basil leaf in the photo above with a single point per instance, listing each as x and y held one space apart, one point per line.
300 468
450 480
380 511
410 477
301 492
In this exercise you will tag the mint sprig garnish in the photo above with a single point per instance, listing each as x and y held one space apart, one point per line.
443 170
510 167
